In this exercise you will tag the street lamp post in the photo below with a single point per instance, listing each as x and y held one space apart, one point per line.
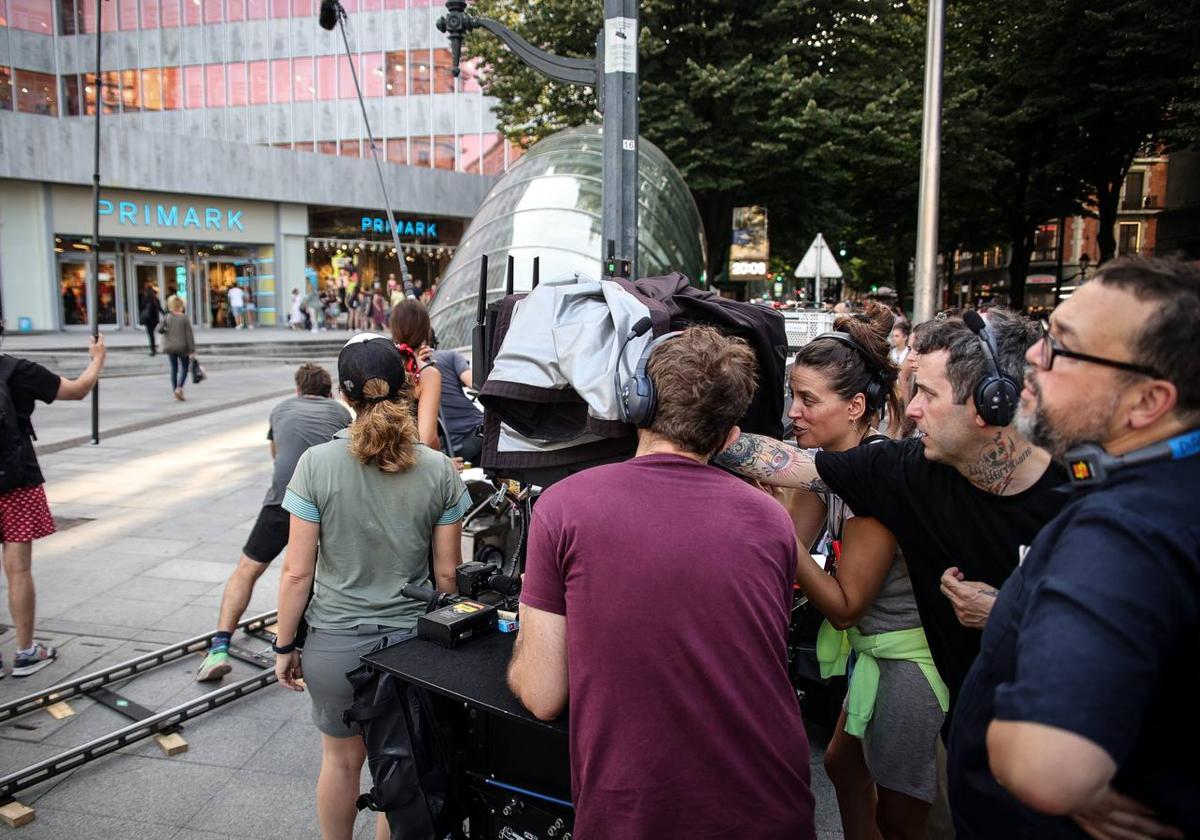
613 74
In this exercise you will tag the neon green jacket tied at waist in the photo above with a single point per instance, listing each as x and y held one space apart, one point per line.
833 652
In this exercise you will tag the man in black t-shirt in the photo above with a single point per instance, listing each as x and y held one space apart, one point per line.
24 511
962 500
1082 702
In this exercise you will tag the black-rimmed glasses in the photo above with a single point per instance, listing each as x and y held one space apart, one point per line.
1051 348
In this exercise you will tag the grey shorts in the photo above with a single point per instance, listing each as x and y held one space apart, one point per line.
328 656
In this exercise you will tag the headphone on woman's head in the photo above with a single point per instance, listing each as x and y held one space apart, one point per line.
997 394
877 389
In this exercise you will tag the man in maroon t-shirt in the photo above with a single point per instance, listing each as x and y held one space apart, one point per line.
656 595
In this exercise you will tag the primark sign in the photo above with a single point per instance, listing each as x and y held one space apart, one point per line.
160 215
136 215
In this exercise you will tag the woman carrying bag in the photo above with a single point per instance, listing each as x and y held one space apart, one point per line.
179 343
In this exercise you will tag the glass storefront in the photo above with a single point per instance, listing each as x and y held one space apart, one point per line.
200 275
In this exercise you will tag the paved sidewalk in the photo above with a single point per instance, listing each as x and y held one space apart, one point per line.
159 518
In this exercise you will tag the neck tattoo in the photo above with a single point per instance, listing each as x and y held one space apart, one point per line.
997 464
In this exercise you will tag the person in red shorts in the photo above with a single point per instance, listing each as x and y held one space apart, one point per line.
24 511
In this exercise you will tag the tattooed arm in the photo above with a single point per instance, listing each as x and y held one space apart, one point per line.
772 462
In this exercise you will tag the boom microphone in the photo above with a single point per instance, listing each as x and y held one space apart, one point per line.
329 14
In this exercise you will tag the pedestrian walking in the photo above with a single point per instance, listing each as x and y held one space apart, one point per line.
150 311
179 343
311 417
24 512
367 509
237 305
296 317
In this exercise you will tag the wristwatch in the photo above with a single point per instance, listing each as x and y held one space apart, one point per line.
288 648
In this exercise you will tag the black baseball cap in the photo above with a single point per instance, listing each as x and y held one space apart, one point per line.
368 356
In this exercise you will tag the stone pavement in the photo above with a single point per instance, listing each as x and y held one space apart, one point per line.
156 520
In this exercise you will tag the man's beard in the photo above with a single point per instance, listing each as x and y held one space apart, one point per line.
1086 425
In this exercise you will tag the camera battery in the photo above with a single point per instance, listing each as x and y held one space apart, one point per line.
457 623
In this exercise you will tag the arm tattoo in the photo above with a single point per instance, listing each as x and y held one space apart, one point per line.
772 462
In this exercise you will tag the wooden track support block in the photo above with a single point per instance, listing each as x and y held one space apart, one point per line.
60 710
15 815
172 744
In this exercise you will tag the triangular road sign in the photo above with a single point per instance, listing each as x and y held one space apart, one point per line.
818 261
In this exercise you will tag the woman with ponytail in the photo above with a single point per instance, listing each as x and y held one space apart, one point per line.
409 323
366 508
882 756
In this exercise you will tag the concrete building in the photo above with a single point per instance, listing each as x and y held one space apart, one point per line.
233 153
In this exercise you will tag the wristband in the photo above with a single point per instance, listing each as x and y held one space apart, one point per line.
279 650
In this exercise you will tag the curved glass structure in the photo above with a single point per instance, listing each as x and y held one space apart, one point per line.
548 206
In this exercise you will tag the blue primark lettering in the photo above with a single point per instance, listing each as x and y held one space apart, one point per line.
128 210
146 213
420 228
191 219
431 229
168 215
233 219
104 207
212 218
168 219
378 226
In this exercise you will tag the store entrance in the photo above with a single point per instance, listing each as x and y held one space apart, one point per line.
73 274
166 276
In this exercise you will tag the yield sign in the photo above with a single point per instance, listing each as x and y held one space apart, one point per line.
818 261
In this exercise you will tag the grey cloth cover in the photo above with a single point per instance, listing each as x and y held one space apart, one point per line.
567 350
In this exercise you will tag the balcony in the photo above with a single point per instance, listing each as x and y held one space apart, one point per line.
1140 204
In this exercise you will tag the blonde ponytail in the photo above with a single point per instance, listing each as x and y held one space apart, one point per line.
385 431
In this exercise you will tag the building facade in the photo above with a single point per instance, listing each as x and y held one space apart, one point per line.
233 152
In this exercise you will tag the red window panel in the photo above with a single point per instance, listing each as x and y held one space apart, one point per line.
346 77
350 5
327 147
235 10
394 83
302 8
89 15
214 11
150 14
370 5
422 152
170 16
256 9
327 77
35 93
397 150
304 147
110 91
443 79
193 86
492 153
281 80
215 76
193 13
443 151
235 73
395 4
350 148
38 16
420 71
469 146
172 88
260 83
127 13
281 8
72 106
152 94
372 74
303 83
131 91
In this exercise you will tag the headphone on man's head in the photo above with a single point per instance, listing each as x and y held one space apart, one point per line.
877 389
639 399
997 394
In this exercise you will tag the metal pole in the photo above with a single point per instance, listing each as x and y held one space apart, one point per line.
93 288
931 162
620 207
409 291
817 274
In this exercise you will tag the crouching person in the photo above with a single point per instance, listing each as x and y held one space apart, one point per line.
656 597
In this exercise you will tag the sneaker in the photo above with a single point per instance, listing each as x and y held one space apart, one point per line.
26 664
214 666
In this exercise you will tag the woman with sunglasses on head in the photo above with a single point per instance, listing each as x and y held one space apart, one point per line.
411 331
882 756
366 509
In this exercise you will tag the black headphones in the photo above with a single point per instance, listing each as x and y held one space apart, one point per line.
1090 463
877 388
997 394
639 399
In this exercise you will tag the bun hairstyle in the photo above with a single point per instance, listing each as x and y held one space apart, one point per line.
383 430
410 327
851 372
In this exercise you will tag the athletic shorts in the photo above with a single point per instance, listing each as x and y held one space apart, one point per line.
327 657
269 535
25 515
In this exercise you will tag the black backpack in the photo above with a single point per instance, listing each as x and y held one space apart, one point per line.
12 436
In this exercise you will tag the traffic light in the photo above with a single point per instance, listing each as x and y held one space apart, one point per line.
874 288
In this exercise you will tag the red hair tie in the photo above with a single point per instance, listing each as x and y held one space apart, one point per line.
410 362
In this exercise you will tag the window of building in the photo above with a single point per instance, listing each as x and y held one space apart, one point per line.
281 79
281 8
193 86
305 86
31 15
172 88
152 98
397 150
235 76
394 82
1135 183
170 13
492 153
352 148
421 81
468 153
127 14
327 147
443 79
327 77
215 78
302 8
150 14
304 147
72 102
260 82
69 22
372 74
131 91
235 10
193 12
6 90
1045 244
422 152
214 11
346 77
1128 238
256 9
88 14
443 151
